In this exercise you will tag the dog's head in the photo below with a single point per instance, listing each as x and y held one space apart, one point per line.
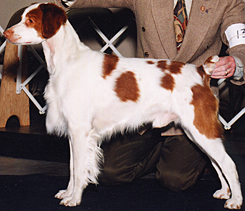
38 23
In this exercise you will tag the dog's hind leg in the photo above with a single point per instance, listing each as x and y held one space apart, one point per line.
229 170
202 126
221 161
224 192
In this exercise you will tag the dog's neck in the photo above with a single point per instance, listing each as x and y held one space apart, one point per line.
61 46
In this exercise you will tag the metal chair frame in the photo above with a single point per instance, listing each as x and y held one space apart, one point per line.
227 125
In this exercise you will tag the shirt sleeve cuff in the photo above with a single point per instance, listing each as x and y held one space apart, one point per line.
239 69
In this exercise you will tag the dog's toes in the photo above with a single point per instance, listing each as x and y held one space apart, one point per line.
234 203
70 201
222 194
60 194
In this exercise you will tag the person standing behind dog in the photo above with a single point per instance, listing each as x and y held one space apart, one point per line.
187 31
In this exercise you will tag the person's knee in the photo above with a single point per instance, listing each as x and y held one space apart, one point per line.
180 164
176 181
112 176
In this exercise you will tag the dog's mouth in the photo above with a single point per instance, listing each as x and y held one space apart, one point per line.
27 43
16 41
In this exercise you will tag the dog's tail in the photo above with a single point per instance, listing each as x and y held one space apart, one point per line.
209 64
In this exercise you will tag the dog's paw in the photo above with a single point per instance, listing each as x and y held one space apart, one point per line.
222 194
71 201
234 203
62 194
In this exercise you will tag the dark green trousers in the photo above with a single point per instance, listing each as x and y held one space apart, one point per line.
176 161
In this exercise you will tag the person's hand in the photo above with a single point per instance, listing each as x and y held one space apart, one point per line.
224 68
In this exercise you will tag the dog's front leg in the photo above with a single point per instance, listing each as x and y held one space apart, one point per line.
78 181
86 156
68 192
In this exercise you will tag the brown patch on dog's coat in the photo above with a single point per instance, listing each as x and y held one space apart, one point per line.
203 74
162 65
34 20
52 19
109 64
209 60
46 19
167 82
126 87
150 62
174 67
201 71
206 110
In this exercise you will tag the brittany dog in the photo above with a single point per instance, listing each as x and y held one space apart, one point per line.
91 95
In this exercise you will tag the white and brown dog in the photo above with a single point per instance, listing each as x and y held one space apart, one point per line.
91 95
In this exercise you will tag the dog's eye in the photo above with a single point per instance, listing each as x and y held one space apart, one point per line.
29 21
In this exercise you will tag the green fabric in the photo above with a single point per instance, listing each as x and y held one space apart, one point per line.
177 162
130 156
180 163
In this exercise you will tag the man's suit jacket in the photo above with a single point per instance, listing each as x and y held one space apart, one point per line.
208 20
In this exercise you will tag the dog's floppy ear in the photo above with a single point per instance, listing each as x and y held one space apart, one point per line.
53 18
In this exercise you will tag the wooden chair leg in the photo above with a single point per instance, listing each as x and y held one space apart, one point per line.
12 104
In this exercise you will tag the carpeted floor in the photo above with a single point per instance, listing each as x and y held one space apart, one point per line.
35 193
